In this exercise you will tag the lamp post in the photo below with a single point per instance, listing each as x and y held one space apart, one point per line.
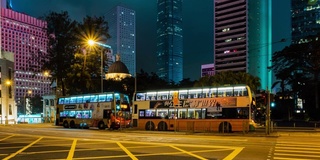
92 43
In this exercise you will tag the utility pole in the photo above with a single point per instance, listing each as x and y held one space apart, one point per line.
268 121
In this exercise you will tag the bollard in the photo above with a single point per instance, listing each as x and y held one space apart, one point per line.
294 125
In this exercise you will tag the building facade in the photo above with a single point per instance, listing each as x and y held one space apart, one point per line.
26 37
8 109
243 38
170 40
122 29
305 19
207 70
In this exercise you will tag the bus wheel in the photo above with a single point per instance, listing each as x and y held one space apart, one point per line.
150 126
101 125
162 126
65 124
225 127
72 124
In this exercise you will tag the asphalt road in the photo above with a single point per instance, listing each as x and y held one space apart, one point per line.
45 141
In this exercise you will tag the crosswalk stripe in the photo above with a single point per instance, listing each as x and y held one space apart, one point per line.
297 155
293 151
282 158
299 148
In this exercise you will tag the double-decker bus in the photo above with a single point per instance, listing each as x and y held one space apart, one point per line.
223 109
93 110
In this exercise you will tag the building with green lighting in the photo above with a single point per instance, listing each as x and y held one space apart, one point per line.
243 38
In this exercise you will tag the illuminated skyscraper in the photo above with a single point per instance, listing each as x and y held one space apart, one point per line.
170 40
305 19
243 37
26 38
122 29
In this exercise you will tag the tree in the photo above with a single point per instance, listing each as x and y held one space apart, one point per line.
302 62
36 104
85 73
71 61
61 44
230 78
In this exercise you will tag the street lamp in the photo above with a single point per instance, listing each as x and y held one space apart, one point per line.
7 83
92 43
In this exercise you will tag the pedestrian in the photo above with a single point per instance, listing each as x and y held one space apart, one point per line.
113 121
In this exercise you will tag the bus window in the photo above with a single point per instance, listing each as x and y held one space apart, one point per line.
163 113
72 114
150 113
172 113
64 114
61 100
86 99
94 98
109 97
240 91
182 113
80 99
102 98
141 96
183 94
194 113
195 93
66 100
213 92
141 113
163 95
73 100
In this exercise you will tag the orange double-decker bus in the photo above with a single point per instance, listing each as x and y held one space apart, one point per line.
93 110
223 109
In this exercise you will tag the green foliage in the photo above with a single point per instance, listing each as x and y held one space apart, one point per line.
229 77
71 61
36 104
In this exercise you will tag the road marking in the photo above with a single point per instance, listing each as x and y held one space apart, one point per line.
297 148
293 151
6 138
234 153
24 148
315 144
71 152
281 158
127 151
189 153
297 155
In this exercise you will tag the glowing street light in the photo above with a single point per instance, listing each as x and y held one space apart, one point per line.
92 43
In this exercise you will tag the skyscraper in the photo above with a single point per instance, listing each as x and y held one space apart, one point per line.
26 38
122 29
243 37
170 40
305 19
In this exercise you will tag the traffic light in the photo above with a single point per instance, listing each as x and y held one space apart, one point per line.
272 102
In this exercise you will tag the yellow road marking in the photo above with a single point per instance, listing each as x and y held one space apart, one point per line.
71 152
297 155
22 149
6 138
127 151
233 154
282 158
189 153
295 151
299 148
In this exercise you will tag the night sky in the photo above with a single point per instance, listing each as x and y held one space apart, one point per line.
197 26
